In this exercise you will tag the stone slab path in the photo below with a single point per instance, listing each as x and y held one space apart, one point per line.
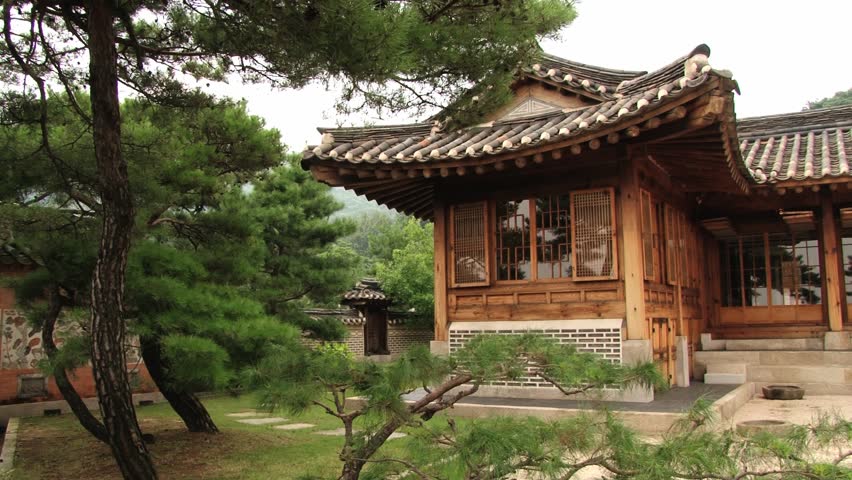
244 414
294 426
263 421
339 432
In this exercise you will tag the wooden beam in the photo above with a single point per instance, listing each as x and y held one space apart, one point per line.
834 283
631 239
440 258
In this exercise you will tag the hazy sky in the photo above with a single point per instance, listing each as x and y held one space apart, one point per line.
782 53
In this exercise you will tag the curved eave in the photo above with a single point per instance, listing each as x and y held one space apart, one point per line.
409 186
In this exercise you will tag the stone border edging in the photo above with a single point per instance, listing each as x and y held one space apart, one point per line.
732 401
10 444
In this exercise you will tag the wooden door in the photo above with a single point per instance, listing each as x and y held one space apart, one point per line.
662 343
376 332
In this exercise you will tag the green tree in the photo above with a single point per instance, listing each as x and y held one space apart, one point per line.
213 263
377 235
502 448
409 276
390 54
838 99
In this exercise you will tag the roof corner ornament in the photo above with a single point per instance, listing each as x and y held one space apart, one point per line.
697 64
437 125
327 139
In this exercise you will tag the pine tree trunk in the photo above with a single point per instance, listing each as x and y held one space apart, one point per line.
185 404
78 407
108 326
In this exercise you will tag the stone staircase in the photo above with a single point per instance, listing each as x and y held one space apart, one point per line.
819 372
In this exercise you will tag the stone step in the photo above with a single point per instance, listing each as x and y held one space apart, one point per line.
776 357
724 378
829 374
737 368
775 344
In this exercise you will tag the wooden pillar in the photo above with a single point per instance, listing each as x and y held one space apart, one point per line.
631 239
834 283
440 232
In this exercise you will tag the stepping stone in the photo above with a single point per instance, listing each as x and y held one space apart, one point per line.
339 432
294 426
263 421
244 414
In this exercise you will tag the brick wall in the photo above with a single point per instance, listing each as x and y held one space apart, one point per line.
81 378
402 337
21 352
602 337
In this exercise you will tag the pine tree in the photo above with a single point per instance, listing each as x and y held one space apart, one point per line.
367 399
221 247
391 54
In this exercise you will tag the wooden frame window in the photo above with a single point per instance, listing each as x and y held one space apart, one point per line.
672 244
846 251
772 269
469 245
593 234
650 234
553 237
514 239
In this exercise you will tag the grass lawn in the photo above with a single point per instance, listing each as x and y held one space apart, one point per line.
58 448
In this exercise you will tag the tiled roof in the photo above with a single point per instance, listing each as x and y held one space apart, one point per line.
808 145
11 255
598 81
422 143
350 316
365 291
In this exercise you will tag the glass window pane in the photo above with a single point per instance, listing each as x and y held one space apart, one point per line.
553 236
731 284
513 240
846 244
754 271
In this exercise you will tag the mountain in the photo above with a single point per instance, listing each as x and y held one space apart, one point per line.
356 205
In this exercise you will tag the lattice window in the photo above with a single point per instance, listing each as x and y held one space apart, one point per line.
650 251
513 240
672 263
469 248
553 237
593 234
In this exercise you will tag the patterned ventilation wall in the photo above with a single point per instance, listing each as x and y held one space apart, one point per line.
600 337
21 347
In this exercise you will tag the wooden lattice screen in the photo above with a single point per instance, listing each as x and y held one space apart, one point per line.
593 234
649 236
468 244
672 263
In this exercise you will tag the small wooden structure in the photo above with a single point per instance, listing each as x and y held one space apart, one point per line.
604 203
372 329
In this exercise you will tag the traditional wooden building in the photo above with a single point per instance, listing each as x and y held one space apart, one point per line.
628 212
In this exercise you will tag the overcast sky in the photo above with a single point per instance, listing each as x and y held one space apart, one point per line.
782 53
